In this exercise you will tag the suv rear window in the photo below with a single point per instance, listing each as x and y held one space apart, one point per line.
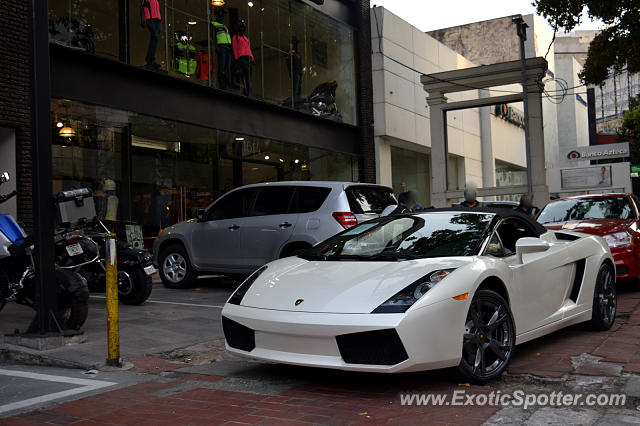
309 198
369 199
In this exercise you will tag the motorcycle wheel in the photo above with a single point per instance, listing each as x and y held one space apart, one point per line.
134 286
73 300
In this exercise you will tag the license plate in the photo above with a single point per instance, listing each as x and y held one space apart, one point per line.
74 249
150 270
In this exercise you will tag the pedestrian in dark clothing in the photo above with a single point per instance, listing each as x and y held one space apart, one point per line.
405 204
470 198
526 207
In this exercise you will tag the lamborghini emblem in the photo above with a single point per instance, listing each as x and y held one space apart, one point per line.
299 301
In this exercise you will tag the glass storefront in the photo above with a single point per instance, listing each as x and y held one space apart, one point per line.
411 172
157 172
302 58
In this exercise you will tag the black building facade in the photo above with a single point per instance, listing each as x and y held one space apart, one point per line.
157 141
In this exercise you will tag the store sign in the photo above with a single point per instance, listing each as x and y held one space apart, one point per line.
598 152
586 177
509 114
635 170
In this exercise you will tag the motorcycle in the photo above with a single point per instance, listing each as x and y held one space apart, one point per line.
17 274
72 33
82 249
321 102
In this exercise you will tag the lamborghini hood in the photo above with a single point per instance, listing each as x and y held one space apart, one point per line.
298 285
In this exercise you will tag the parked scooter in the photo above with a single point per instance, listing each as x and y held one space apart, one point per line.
82 249
17 274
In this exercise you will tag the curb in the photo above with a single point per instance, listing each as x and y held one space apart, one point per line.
20 355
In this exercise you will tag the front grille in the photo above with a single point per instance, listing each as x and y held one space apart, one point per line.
238 336
378 347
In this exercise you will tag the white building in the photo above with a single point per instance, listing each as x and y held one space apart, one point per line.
401 53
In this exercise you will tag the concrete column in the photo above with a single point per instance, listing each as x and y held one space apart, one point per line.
383 162
536 135
488 159
438 149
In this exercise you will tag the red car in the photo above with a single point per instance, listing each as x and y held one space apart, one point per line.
614 217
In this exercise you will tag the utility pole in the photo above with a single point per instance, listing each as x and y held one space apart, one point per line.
45 284
521 28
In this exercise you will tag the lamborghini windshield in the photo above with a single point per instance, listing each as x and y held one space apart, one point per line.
587 208
437 234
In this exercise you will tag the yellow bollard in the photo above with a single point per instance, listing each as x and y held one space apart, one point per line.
113 332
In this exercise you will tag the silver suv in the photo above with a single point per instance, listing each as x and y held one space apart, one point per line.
255 224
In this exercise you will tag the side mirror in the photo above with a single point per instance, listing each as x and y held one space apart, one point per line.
528 245
4 177
200 215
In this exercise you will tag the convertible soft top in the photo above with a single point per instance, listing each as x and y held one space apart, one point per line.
499 212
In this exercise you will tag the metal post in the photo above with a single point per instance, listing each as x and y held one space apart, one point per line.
45 285
521 27
113 332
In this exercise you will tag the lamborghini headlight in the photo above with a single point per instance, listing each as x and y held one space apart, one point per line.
238 295
405 298
619 239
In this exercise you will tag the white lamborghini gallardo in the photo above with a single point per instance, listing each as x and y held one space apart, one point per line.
433 289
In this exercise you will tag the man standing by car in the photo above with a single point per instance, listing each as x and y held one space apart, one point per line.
470 198
405 204
526 207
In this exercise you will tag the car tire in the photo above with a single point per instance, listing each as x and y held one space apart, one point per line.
175 268
73 300
489 338
605 301
134 286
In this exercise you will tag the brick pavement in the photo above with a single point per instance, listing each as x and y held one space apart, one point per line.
339 398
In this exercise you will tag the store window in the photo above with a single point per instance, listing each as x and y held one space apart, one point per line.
154 172
411 172
89 26
284 52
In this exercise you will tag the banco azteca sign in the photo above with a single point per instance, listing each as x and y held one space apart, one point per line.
599 152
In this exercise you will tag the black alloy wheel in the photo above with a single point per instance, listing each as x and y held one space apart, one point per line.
489 338
605 301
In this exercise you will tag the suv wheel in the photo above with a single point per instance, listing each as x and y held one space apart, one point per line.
175 269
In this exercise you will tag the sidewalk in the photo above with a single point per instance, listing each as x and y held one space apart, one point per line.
169 320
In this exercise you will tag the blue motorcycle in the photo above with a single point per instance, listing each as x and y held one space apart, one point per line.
17 274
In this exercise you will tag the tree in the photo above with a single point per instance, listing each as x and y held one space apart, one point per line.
630 128
616 46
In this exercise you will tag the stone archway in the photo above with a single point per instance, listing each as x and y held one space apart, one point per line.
484 77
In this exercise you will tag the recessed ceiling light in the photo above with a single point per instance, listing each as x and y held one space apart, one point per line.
266 157
296 161
59 124
250 4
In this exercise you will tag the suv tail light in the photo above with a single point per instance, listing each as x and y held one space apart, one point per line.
346 219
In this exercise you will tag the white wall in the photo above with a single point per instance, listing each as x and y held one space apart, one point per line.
573 121
401 114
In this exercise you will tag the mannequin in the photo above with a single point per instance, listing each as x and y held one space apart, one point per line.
243 56
223 48
294 65
150 14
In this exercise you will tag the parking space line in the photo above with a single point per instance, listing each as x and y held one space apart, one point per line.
170 303
85 386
